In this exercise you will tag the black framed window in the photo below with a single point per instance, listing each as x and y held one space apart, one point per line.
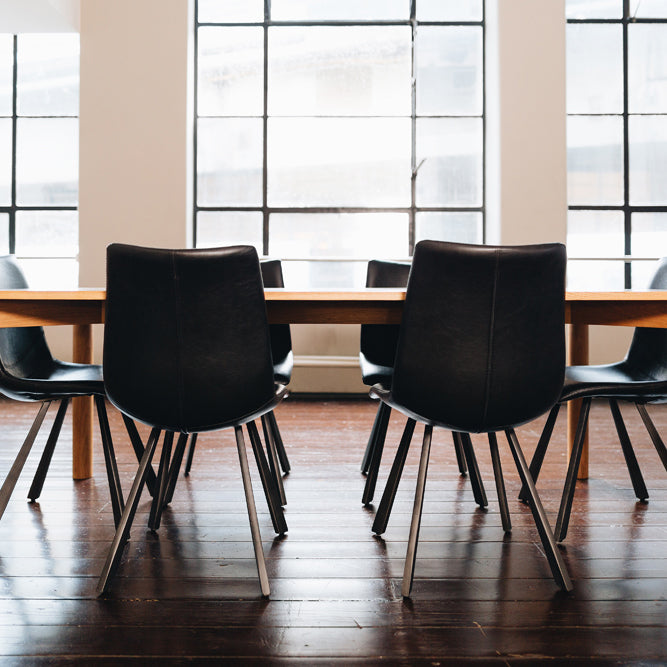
39 154
330 132
617 140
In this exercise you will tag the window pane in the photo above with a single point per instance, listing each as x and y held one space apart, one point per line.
230 11
4 233
449 159
652 9
5 161
47 233
461 10
649 234
647 68
45 273
47 161
340 71
449 70
595 160
648 159
6 60
642 274
595 275
314 274
231 72
443 226
594 9
222 228
363 235
314 10
594 68
48 75
229 162
595 234
339 162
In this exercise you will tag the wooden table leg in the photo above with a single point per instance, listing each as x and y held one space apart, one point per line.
578 357
82 409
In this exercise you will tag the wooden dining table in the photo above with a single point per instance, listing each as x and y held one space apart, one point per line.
81 308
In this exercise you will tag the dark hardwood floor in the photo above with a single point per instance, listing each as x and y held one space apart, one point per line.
190 593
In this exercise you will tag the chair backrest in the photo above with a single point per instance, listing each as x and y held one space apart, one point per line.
23 350
186 339
281 338
482 340
647 354
378 341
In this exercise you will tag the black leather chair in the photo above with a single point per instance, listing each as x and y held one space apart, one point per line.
283 364
640 378
186 350
481 349
28 372
377 349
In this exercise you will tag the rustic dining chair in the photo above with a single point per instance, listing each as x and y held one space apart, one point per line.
641 379
481 349
187 350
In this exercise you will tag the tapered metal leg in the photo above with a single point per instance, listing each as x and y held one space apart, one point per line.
410 557
47 454
270 489
558 568
500 483
163 480
138 447
15 471
387 502
571 479
252 514
278 439
175 467
473 469
123 529
636 477
541 449
368 453
274 465
113 477
376 457
191 454
653 433
460 456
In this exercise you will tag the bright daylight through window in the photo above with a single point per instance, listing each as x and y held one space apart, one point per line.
330 132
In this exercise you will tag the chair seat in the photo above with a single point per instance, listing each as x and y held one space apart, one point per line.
58 380
619 380
282 369
372 373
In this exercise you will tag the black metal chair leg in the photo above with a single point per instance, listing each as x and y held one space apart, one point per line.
163 479
123 530
15 471
191 454
653 433
376 457
500 483
387 502
413 539
175 467
558 568
44 463
571 479
460 456
278 439
541 449
473 469
368 453
113 477
270 489
274 465
636 477
138 447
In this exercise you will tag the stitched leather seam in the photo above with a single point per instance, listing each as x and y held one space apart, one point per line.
179 340
489 352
